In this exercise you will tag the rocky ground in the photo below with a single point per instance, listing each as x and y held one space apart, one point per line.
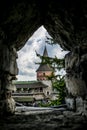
49 120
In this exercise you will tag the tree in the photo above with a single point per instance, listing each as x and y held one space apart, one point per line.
57 80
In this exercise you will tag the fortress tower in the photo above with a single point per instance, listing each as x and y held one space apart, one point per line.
44 70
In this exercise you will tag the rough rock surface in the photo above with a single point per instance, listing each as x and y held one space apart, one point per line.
66 22
57 120
75 64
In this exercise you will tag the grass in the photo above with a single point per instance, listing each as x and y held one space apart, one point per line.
24 82
23 99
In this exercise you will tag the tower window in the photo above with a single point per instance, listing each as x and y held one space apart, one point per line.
43 74
41 89
47 93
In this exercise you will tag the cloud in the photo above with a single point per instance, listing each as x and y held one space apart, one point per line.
27 55
26 78
59 52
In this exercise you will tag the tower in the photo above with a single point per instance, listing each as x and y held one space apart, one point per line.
44 70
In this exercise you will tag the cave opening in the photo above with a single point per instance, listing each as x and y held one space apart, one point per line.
66 23
27 55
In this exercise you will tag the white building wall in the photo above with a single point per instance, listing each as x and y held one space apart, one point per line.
47 89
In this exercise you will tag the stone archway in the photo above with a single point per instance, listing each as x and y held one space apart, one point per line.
65 21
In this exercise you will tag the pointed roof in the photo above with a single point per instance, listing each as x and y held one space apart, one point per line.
29 84
44 67
45 54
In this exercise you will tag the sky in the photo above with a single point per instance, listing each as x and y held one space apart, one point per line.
27 55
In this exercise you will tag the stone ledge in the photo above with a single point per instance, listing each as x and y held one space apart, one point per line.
66 120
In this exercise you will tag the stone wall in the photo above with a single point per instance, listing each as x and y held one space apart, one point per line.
54 120
66 22
8 71
76 77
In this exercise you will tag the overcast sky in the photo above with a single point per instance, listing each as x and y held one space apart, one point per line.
27 55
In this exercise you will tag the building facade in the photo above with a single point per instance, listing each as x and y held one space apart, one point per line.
44 69
40 89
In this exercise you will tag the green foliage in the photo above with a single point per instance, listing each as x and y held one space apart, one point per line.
57 80
51 103
50 41
59 85
23 99
55 102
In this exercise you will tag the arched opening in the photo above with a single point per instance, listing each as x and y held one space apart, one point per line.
66 22
27 60
27 55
